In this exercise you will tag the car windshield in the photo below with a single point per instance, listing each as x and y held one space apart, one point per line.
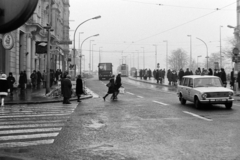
207 82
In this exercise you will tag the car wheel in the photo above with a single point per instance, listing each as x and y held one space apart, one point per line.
197 103
228 105
182 100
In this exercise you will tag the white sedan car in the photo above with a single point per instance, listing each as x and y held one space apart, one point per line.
204 90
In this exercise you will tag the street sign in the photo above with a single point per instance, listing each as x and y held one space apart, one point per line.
235 51
8 41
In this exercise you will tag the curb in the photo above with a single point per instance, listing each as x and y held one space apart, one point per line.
47 101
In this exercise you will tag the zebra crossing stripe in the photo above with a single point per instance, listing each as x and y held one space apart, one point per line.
39 115
28 136
25 144
30 130
29 122
20 113
31 126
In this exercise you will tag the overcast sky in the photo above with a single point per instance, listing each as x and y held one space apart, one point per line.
128 26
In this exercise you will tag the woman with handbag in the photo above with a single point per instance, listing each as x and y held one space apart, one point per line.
111 87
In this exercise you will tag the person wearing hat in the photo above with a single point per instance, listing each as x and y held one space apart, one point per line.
11 81
66 89
3 88
111 87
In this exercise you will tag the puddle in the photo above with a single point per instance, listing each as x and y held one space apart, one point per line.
96 124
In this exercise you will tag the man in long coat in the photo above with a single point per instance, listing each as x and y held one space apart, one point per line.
66 88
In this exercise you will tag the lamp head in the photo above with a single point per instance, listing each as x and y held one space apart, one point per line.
96 17
96 35
229 26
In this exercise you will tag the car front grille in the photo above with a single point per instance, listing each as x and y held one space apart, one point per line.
217 94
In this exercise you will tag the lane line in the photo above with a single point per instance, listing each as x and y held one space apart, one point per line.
25 144
38 115
129 93
7 122
139 96
160 103
195 115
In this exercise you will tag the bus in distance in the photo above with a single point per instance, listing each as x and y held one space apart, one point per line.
105 71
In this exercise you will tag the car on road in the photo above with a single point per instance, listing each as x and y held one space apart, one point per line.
202 90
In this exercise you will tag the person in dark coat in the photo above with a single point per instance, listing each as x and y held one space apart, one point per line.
11 81
111 87
21 81
232 79
66 88
210 72
3 88
118 84
223 77
174 77
149 73
181 74
187 72
79 87
157 75
25 79
33 79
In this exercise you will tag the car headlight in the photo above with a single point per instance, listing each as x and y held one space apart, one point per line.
204 96
230 94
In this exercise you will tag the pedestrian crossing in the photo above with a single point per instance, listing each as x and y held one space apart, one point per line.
29 125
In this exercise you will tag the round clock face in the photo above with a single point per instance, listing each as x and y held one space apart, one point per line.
7 41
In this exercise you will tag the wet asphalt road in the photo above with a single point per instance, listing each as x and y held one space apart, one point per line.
145 123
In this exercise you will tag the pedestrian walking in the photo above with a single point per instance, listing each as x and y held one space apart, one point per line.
223 77
111 87
66 89
118 84
232 79
21 81
33 79
11 81
25 79
79 87
3 88
210 72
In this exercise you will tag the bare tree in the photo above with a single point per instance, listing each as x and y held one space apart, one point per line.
178 59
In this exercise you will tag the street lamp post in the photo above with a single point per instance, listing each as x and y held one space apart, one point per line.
220 47
190 64
97 17
207 50
99 54
92 55
143 58
166 54
197 59
155 55
138 58
81 50
79 40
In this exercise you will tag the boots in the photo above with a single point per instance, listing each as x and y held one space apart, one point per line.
79 99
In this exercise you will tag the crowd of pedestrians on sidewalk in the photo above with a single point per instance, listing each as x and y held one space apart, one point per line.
174 76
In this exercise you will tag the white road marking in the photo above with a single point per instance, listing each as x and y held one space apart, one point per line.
92 93
32 125
29 122
129 93
28 136
195 115
30 130
25 144
160 103
39 115
139 96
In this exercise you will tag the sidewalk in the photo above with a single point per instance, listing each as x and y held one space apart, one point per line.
37 96
173 88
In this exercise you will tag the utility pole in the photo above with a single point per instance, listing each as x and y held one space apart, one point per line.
48 28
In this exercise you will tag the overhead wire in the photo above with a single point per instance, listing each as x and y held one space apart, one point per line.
182 24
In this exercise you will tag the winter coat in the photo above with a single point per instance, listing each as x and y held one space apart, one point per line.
66 88
181 74
3 87
223 77
21 81
79 86
111 88
11 81
174 77
118 82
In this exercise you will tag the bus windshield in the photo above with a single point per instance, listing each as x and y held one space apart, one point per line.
105 67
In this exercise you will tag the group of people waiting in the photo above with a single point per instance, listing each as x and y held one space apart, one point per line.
113 86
